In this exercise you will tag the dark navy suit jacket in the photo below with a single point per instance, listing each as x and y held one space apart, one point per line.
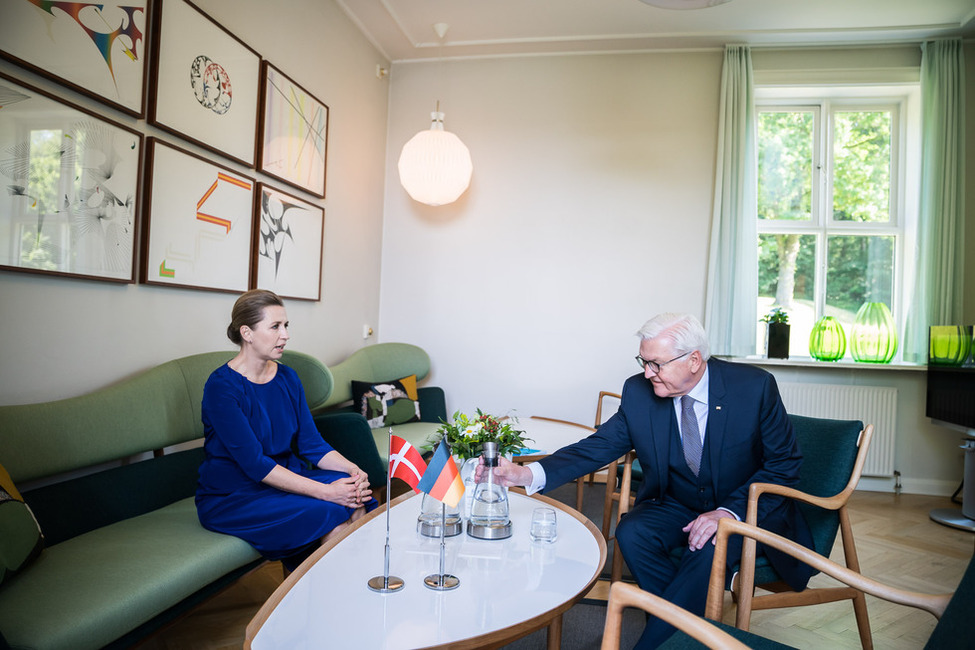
749 439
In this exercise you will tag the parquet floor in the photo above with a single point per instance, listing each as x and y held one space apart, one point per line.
896 541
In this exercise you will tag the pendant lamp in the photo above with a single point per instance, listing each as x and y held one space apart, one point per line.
435 166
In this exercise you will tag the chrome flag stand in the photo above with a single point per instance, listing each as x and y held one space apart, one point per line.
386 583
442 581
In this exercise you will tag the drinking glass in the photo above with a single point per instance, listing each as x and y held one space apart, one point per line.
543 528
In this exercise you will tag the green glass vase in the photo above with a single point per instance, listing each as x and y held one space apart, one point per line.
873 338
948 345
827 341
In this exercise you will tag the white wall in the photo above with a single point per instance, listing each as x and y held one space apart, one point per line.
65 337
588 213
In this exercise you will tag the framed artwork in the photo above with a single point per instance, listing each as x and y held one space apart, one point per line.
206 82
69 188
294 128
198 222
288 249
96 48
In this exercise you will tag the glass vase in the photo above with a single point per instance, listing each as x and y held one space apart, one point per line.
827 341
873 338
948 345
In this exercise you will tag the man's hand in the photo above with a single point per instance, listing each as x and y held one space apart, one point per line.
703 528
506 473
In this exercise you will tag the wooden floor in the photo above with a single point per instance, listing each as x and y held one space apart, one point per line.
896 541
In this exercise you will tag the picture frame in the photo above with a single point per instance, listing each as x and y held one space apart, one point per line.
69 188
198 222
95 49
294 133
288 242
206 82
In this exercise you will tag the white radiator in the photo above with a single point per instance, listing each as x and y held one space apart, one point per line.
870 404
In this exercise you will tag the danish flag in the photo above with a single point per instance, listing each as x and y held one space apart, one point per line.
405 462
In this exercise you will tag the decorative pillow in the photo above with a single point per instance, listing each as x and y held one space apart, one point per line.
387 403
20 535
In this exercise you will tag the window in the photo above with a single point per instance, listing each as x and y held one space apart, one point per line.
832 220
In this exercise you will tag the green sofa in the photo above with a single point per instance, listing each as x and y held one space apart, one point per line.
347 430
124 552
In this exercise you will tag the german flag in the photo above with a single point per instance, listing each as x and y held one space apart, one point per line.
442 480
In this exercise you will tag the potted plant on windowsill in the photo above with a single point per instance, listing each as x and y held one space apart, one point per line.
777 339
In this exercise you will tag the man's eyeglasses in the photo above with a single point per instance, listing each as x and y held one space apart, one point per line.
653 365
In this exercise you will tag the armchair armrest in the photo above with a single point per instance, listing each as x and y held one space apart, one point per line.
622 595
834 502
350 435
934 604
433 404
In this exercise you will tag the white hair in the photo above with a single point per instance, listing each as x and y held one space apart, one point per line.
684 330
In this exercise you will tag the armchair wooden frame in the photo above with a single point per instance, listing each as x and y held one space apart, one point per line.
744 588
626 483
623 595
852 578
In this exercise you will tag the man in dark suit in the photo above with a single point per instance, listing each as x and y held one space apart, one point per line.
704 430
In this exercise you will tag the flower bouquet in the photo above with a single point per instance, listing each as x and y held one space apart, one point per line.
465 434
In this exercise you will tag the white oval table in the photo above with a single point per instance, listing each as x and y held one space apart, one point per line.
508 588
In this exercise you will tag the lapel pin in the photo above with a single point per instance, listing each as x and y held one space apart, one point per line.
717 408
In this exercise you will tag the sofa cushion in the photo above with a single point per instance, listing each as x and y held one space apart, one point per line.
119 576
388 402
20 536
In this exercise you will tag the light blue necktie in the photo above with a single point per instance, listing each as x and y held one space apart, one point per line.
690 433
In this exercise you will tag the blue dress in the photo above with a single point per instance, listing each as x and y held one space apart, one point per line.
249 428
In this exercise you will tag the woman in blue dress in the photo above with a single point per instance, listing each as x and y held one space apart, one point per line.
258 434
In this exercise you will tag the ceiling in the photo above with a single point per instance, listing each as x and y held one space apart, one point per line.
403 29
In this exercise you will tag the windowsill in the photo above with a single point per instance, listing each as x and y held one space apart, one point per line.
809 362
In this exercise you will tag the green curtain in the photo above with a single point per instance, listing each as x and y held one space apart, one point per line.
733 261
937 298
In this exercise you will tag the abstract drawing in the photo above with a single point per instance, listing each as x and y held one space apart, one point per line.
289 245
69 186
206 82
199 219
96 47
211 84
295 127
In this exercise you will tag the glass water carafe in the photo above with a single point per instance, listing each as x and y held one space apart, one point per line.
489 507
433 513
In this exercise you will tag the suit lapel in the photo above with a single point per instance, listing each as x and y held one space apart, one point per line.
662 419
717 418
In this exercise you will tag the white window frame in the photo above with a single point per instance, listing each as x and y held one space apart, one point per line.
903 101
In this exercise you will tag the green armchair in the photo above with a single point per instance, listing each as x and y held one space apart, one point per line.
348 431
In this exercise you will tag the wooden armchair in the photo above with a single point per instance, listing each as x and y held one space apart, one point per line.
951 610
834 452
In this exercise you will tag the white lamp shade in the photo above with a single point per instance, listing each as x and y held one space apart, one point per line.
435 167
